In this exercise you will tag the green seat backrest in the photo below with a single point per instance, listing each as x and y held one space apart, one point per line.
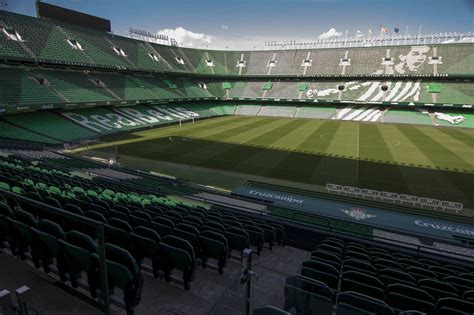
50 242
148 233
51 228
121 224
216 236
176 257
95 216
180 243
320 266
143 246
269 310
18 190
237 241
116 236
190 237
122 256
54 190
6 210
25 217
329 279
212 247
161 229
20 228
188 228
214 225
79 257
81 240
118 274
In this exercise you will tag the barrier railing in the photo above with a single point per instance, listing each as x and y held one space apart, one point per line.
99 226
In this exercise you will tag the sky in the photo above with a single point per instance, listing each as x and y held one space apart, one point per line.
246 24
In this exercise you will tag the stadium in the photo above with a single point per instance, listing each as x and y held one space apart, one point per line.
140 176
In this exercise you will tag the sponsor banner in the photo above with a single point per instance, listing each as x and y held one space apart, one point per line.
377 217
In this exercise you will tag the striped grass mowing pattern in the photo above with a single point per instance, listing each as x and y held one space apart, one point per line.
421 160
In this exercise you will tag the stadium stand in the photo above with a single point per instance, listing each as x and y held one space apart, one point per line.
63 84
50 124
371 280
137 226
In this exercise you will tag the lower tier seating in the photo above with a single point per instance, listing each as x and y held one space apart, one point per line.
137 227
358 279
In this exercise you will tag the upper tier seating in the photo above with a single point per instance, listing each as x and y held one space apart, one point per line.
46 41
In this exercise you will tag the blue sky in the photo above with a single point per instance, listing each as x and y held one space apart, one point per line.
247 23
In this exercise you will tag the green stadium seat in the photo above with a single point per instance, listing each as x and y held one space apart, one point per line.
442 272
232 223
362 302
176 253
6 210
78 260
121 277
330 248
321 266
113 214
20 237
456 268
123 257
461 284
312 286
357 255
94 215
359 265
143 215
195 221
256 236
347 309
188 228
138 221
190 237
161 229
120 224
360 287
144 247
214 226
382 263
403 302
333 263
305 302
327 278
164 221
269 234
4 237
238 240
116 236
214 245
45 247
325 255
269 310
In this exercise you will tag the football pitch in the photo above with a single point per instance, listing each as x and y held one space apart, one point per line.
225 151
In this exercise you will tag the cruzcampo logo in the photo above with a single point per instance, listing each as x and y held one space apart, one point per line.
357 213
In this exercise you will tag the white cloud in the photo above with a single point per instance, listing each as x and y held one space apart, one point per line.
225 27
187 38
331 33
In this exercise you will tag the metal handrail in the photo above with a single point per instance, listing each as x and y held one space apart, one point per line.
99 226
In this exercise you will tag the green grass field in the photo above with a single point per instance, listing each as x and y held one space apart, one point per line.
421 160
